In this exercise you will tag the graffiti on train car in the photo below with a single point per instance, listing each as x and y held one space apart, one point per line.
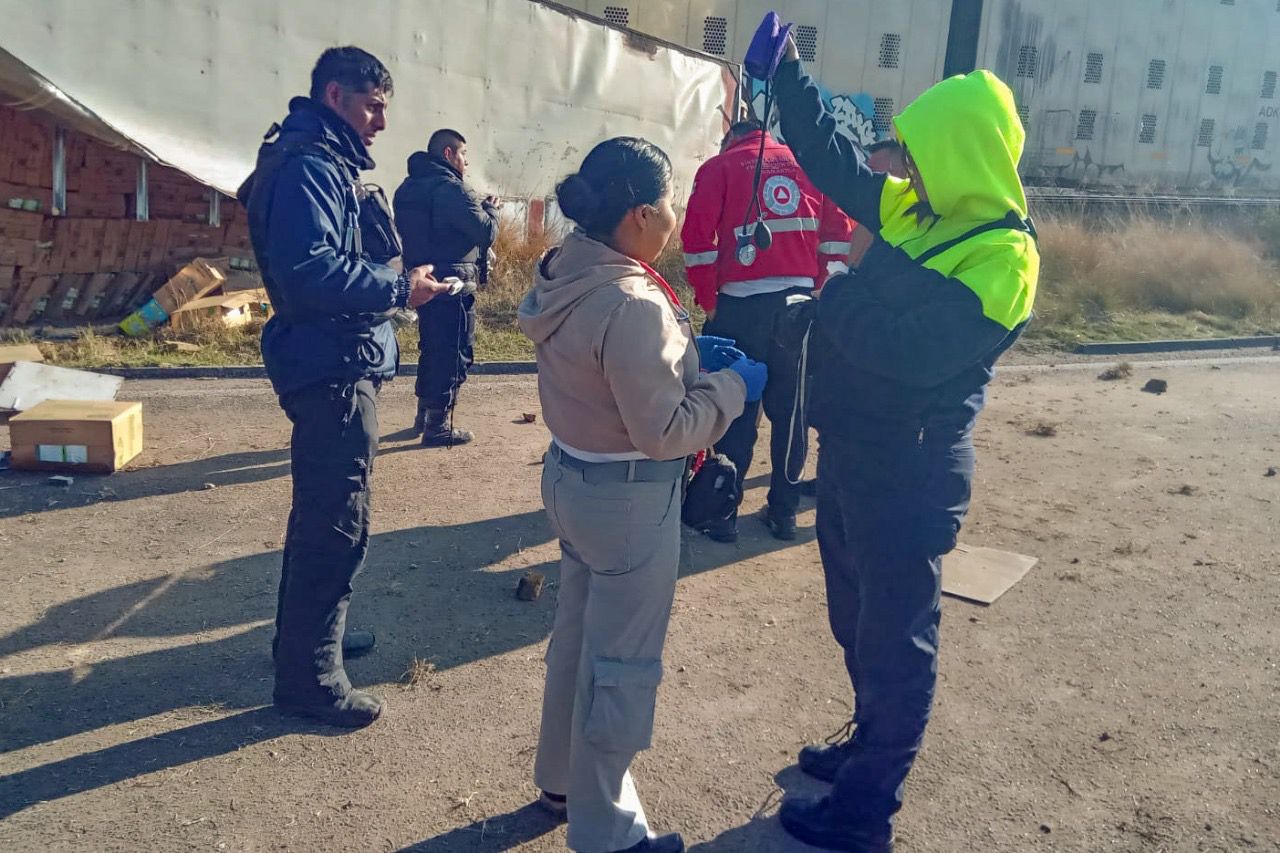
1235 160
854 114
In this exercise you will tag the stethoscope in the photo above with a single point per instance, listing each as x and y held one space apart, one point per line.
755 237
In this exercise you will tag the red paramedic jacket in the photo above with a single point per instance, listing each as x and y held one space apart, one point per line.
809 231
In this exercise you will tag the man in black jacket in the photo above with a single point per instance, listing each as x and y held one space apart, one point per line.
444 224
327 351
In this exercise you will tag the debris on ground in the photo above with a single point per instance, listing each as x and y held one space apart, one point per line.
528 418
182 346
64 482
530 586
1043 430
420 672
1271 472
1185 491
209 486
1156 386
1123 370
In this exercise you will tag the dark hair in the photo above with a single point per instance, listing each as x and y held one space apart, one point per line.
883 144
617 175
351 68
740 129
444 138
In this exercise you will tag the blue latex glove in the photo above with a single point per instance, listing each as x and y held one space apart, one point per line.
754 373
767 48
707 349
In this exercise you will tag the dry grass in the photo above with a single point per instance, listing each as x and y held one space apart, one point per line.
1199 274
1123 370
420 672
1133 279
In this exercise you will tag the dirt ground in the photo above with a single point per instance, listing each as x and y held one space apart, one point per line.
1124 696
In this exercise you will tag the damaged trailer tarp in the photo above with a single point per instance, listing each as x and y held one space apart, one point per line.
195 83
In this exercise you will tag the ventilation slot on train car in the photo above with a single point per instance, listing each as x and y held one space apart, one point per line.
882 120
1259 136
1084 128
1214 86
619 15
1269 85
1228 2
1028 60
1148 133
1205 139
1093 68
890 50
1155 74
715 35
1024 113
807 42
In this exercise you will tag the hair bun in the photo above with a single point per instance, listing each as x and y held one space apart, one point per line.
578 200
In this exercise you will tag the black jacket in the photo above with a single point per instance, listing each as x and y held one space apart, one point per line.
331 302
441 221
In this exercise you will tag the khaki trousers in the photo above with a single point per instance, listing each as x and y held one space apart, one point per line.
620 555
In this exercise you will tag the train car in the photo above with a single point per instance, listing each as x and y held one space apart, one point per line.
1143 97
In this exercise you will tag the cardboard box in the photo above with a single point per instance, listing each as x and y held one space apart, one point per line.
29 383
73 435
9 355
144 319
194 281
233 309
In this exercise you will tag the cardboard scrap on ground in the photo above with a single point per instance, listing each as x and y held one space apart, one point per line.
9 355
982 574
29 383
233 309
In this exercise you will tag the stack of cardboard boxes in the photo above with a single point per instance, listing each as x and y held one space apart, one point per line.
95 260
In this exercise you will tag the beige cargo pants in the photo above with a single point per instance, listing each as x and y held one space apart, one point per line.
620 554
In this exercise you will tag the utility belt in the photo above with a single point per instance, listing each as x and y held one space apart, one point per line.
631 471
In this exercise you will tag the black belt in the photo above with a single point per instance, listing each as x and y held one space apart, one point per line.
631 471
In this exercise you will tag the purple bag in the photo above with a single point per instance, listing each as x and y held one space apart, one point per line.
768 46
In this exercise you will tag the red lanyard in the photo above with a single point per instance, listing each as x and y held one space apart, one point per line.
662 282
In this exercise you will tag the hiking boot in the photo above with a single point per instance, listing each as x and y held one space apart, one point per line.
672 843
420 419
353 710
781 524
438 432
824 762
813 822
724 530
355 644
556 805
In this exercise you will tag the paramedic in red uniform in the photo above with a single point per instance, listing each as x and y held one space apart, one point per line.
810 241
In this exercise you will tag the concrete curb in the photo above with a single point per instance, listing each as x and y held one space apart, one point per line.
1189 345
250 371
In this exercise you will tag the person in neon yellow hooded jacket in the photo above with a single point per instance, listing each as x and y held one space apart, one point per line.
901 352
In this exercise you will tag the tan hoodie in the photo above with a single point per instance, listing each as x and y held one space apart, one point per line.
617 368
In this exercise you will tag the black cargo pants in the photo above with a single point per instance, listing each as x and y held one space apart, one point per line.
335 438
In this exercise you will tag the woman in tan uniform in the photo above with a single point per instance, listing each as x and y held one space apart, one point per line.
623 396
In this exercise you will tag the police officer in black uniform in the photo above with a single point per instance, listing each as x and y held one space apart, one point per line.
327 350
445 224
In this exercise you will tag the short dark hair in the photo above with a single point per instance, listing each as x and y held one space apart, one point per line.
351 68
883 144
444 138
618 175
739 129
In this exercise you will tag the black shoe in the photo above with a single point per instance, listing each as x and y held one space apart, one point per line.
809 488
556 805
725 530
824 762
811 821
357 644
437 432
672 843
354 710
781 525
420 420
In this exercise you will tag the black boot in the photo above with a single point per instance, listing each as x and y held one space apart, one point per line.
438 432
355 644
824 762
420 420
781 525
815 823
671 843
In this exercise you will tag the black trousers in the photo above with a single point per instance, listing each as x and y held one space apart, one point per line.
749 320
447 338
335 439
887 512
